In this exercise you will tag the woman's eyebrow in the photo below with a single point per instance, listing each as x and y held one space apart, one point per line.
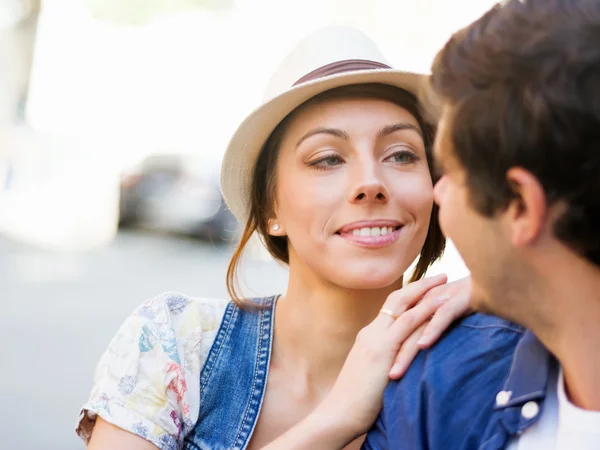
331 131
389 129
385 131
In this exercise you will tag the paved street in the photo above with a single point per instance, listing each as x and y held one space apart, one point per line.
60 311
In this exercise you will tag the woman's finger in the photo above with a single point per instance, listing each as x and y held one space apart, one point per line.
442 318
458 305
411 320
403 299
407 354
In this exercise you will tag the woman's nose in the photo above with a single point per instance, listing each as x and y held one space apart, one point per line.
369 188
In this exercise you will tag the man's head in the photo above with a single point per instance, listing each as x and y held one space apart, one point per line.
519 144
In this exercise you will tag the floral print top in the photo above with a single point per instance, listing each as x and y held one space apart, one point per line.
148 380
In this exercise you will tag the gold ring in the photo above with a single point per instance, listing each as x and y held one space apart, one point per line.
389 312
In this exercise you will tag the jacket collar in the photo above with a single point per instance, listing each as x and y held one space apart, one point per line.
525 389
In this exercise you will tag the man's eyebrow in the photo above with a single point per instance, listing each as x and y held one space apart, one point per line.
331 131
386 131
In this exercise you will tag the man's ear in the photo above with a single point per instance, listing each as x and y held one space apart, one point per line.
527 212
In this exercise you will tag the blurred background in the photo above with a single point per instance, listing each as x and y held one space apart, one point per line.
114 115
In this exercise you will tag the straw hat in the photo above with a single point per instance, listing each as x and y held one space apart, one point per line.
327 59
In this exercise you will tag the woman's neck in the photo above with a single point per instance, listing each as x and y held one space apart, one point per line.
317 322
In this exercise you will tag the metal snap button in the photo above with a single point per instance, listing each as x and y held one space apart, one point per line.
530 410
503 397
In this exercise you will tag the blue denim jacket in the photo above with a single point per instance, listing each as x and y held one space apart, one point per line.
467 391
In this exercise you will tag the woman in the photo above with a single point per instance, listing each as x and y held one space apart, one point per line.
334 174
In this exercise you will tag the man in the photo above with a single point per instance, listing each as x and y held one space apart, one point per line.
519 149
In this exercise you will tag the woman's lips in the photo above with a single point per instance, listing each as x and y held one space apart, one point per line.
372 237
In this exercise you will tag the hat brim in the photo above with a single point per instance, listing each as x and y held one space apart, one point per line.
249 138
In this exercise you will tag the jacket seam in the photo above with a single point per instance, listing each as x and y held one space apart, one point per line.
267 364
487 327
252 392
220 339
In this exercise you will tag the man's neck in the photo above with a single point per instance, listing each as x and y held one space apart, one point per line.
571 328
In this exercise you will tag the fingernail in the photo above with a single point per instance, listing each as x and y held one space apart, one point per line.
423 341
443 298
396 370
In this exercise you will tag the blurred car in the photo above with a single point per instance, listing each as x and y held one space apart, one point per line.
179 194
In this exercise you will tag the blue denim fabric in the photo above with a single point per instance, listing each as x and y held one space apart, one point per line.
447 399
233 379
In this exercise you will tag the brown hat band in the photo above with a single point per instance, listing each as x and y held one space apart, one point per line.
348 65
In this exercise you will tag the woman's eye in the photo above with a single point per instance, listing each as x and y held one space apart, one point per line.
326 162
403 157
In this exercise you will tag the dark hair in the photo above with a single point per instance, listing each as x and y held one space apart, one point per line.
523 85
262 195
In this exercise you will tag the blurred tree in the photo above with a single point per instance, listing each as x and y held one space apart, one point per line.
140 11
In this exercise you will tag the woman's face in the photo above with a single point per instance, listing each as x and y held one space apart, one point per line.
354 192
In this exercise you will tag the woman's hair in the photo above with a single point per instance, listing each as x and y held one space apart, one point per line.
262 195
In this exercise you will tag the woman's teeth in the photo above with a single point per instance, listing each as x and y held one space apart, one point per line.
374 231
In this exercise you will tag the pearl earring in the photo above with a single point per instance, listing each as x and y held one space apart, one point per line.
276 227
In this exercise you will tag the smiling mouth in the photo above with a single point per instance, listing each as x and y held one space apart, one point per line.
370 231
371 236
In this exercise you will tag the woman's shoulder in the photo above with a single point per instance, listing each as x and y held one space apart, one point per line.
146 382
177 319
175 307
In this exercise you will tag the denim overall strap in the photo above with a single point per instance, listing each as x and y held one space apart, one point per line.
233 379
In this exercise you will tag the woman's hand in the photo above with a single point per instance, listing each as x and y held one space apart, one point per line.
356 397
446 303
412 318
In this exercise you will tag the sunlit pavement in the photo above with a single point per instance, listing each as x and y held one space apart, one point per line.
59 312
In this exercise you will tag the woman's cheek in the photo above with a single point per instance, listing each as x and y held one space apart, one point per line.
416 196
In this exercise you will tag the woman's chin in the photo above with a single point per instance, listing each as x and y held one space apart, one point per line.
368 281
